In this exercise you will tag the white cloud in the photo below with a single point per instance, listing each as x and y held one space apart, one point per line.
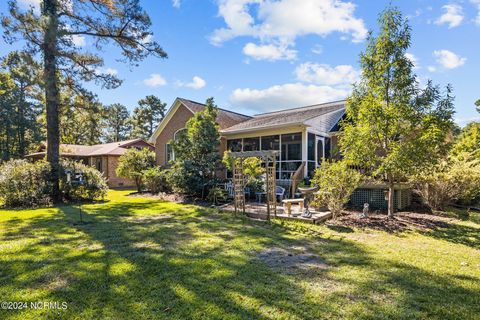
284 96
283 21
448 59
452 16
325 74
431 69
477 4
110 71
78 41
155 80
176 3
196 83
413 59
269 52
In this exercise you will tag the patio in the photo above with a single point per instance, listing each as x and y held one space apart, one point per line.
256 210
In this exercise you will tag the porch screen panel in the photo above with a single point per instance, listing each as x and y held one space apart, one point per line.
251 144
234 145
291 147
320 154
311 147
328 146
291 154
271 142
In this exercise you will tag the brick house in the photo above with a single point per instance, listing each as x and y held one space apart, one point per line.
301 135
305 134
104 157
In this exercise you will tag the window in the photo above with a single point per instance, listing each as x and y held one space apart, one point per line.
251 144
168 153
98 164
179 133
271 142
234 145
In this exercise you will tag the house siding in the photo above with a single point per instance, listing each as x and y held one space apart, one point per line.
177 122
115 181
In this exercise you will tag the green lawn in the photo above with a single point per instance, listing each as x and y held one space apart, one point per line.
138 258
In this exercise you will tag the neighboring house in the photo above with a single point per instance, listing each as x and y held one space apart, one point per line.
104 157
305 134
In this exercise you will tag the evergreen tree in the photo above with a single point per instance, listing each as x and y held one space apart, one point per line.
147 116
196 151
477 104
393 127
52 33
117 126
23 104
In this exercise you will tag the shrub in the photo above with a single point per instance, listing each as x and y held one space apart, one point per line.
155 179
24 184
185 177
252 169
93 186
336 182
453 179
216 195
132 164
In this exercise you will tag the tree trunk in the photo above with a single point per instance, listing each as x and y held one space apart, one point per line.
391 194
52 94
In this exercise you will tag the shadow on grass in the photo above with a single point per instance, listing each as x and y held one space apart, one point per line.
190 262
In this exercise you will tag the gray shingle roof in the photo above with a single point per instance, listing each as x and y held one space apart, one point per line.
322 116
225 118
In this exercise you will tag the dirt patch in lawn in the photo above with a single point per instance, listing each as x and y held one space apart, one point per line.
291 261
403 221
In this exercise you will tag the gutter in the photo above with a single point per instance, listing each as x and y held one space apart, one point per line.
228 132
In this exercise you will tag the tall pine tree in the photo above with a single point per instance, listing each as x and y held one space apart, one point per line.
53 33
117 125
147 116
393 127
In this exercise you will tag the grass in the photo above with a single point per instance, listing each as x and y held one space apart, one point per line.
138 258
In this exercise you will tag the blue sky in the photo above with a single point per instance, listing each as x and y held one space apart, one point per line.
255 56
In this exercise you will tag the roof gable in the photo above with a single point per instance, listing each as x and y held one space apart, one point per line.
225 118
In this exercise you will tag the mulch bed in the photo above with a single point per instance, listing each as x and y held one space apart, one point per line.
403 221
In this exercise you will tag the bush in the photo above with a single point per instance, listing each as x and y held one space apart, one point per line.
185 178
132 164
155 179
453 179
24 184
93 186
252 169
216 195
336 182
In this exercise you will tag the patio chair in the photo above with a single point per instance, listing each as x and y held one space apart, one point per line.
229 189
280 193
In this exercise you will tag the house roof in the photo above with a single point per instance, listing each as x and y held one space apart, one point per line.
113 148
225 118
322 116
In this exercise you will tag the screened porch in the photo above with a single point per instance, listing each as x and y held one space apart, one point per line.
294 148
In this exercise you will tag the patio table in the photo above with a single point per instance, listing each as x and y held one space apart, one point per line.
260 195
